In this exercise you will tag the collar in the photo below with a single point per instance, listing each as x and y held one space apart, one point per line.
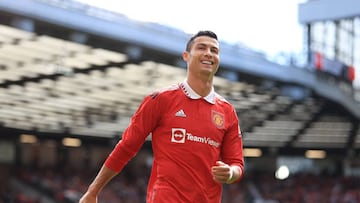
193 95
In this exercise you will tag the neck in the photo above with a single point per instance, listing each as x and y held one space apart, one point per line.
201 87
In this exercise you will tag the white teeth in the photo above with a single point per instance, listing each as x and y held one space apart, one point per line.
207 62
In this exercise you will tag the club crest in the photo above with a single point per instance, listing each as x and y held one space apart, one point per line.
218 119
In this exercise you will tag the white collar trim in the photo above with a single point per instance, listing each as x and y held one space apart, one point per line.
193 95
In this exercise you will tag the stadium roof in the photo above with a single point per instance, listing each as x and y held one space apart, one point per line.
57 85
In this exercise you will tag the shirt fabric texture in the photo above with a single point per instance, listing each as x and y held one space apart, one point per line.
189 134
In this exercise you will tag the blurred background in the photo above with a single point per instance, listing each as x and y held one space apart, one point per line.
73 72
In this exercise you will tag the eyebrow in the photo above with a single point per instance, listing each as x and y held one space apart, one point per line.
207 44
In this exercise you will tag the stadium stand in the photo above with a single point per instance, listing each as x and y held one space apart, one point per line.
55 88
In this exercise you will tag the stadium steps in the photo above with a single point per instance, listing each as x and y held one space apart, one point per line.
28 191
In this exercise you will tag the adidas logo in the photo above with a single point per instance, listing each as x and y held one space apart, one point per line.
180 113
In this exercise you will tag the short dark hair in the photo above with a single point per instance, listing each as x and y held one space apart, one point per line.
200 33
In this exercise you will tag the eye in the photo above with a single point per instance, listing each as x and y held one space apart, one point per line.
215 50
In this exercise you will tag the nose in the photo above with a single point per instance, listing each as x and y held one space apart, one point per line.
208 53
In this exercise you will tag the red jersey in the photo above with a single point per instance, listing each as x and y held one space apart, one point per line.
189 134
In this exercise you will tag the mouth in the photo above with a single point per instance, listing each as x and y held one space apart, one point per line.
207 62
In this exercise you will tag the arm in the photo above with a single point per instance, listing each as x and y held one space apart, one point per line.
142 123
231 167
103 177
223 173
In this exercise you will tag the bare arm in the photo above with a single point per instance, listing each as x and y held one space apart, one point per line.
103 177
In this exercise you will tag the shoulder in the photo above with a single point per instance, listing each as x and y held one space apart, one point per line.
164 91
224 103
220 99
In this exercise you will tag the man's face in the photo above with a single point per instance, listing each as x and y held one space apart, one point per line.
203 57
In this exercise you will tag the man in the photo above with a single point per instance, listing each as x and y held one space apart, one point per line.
196 136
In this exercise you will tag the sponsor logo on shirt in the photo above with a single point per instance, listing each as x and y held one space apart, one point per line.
179 135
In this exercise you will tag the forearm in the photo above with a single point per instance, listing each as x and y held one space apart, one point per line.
236 173
103 177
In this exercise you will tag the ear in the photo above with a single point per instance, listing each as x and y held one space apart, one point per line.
185 56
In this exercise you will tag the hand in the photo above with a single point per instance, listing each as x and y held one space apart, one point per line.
222 172
88 198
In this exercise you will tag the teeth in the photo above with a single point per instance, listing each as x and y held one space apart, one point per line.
207 62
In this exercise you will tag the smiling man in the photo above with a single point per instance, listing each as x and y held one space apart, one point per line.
196 136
